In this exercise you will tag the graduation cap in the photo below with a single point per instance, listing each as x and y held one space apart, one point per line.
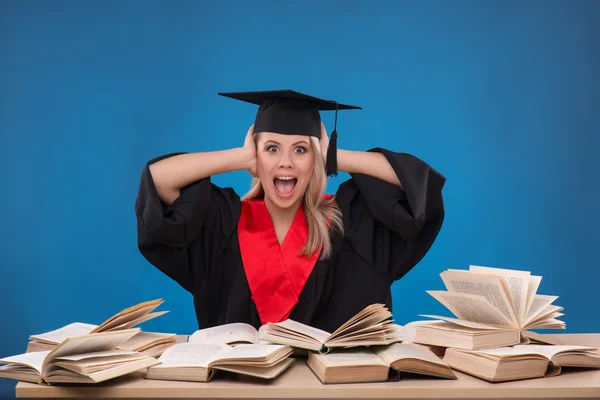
289 112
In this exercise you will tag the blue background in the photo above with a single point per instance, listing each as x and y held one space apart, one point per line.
502 97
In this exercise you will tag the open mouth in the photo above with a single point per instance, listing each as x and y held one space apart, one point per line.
285 185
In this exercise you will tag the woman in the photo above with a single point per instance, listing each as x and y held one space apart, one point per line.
287 250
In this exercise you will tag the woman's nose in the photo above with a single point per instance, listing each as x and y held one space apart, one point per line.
285 161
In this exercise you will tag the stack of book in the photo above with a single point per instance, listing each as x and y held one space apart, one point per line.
490 336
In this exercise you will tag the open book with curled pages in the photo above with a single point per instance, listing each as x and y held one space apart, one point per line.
493 307
377 363
88 358
147 343
521 361
370 327
198 362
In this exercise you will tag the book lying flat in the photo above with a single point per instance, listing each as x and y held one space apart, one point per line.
90 358
199 362
521 361
230 334
493 308
371 326
377 364
125 319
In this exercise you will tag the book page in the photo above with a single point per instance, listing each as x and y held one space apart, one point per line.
487 286
517 283
59 335
464 323
350 357
471 307
129 313
307 330
399 351
191 355
538 305
407 332
124 319
138 321
91 343
534 284
144 339
547 351
250 351
96 354
226 334
34 360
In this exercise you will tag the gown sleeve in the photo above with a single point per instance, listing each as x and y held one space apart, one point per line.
200 218
389 227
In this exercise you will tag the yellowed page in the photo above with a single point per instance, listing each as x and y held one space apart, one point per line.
540 304
143 339
517 283
191 355
250 351
315 333
399 351
90 343
225 334
59 335
471 307
138 321
534 284
34 360
461 322
129 313
96 354
547 351
488 286
351 357
407 332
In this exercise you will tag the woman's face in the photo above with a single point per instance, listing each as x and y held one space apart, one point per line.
284 164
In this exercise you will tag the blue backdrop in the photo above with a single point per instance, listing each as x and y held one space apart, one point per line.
502 97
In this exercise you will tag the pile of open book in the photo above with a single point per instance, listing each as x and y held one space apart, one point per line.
489 337
87 353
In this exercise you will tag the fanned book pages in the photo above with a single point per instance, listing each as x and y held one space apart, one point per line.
493 308
125 319
377 364
521 361
198 362
89 358
371 326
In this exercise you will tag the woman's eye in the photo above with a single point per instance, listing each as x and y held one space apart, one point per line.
300 149
272 148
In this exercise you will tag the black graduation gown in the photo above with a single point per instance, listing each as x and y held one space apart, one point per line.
388 230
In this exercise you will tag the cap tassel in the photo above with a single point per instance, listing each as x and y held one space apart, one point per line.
331 163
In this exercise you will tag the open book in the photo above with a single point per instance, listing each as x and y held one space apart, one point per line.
231 334
89 358
198 362
125 319
371 326
493 307
377 364
521 361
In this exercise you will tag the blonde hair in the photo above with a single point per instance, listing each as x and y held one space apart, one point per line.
318 211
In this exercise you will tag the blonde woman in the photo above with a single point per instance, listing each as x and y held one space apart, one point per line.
286 249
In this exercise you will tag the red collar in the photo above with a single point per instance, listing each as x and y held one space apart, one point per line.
276 274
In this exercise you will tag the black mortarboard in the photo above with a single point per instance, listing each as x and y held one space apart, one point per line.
291 113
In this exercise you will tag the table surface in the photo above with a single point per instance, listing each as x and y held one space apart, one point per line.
299 382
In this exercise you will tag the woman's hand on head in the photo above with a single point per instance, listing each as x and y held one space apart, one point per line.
324 142
250 152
